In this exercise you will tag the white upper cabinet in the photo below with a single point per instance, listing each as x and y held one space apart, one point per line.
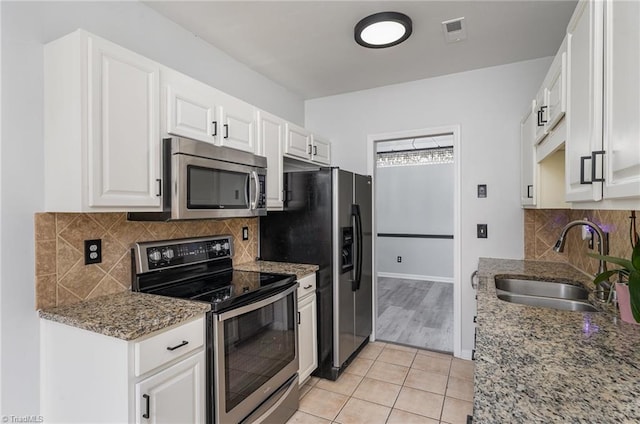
101 111
238 124
301 144
196 110
622 100
189 110
556 87
540 129
271 134
321 150
584 105
551 97
298 142
527 157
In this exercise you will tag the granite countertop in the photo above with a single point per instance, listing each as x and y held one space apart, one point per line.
299 270
539 365
127 315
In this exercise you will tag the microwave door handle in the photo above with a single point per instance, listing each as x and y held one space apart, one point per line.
256 195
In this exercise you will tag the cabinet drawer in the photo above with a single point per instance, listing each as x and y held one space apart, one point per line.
307 285
157 350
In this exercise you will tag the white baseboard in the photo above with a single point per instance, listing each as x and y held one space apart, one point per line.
416 277
466 354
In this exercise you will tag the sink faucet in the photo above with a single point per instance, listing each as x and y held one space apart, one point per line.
603 248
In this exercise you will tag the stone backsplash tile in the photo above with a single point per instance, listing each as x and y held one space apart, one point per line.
63 278
542 228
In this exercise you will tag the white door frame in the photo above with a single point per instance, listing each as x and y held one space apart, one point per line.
457 155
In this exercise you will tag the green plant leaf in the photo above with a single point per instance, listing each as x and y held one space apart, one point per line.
635 257
634 294
625 263
605 275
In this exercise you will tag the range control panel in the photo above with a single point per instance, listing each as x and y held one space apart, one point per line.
171 253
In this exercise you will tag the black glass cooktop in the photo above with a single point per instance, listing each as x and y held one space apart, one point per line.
227 289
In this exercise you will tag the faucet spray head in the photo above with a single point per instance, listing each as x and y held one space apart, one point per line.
559 246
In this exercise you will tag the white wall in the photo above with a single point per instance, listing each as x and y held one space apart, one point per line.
415 199
26 26
487 104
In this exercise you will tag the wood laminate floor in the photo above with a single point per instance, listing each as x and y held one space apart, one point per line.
415 313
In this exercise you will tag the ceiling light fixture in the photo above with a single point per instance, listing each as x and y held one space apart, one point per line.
384 29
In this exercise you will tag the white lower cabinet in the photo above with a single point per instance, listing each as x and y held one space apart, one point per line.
172 395
89 377
307 328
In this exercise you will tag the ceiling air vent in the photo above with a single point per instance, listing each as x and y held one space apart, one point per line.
454 30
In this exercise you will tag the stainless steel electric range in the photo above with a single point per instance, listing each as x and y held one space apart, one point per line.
252 353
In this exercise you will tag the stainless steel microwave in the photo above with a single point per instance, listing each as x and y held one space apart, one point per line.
205 181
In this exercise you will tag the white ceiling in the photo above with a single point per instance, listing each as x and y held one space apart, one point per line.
308 46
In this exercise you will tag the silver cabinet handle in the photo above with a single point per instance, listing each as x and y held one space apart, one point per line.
308 287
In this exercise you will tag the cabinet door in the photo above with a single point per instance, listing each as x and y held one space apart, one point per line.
307 337
175 395
297 142
556 92
622 100
190 107
527 157
584 102
542 112
239 125
271 139
123 135
321 151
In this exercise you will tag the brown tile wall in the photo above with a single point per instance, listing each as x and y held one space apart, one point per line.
63 278
542 228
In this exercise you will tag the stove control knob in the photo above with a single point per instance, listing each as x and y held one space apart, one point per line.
217 247
168 253
154 255
226 245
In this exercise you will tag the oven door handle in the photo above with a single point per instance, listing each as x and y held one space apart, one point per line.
257 305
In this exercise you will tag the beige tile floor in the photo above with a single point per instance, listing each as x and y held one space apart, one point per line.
390 383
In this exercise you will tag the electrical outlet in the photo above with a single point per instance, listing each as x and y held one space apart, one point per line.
482 231
92 251
399 259
245 233
482 191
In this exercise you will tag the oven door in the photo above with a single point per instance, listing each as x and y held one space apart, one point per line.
255 354
210 188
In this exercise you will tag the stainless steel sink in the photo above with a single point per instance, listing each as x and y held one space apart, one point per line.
541 288
544 294
548 302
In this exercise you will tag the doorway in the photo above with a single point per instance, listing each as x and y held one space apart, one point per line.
416 248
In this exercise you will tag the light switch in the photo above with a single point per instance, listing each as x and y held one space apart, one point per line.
482 230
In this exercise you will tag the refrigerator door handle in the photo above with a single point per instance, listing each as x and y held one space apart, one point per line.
355 212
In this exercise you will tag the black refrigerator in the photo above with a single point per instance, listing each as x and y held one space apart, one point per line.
327 221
